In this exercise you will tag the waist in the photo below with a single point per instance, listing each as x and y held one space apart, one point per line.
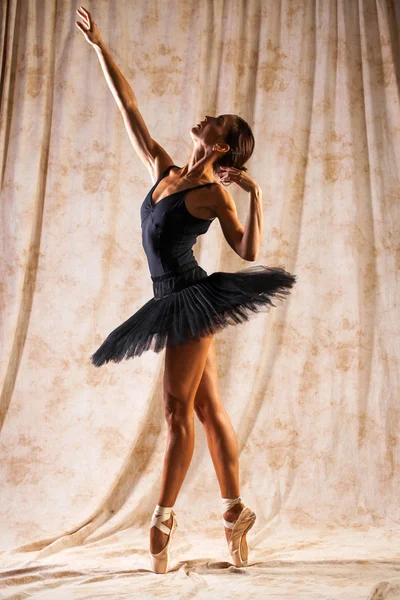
176 270
177 279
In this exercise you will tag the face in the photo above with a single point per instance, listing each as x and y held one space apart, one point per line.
211 130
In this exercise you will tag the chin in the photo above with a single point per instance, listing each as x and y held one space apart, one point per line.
194 132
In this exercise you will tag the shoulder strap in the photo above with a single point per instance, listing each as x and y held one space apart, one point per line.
202 185
165 172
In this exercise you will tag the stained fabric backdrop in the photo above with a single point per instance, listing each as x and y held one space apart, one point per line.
312 387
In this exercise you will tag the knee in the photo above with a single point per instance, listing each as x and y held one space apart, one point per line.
199 412
208 413
202 410
178 412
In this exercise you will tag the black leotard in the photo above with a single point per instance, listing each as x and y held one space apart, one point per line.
169 230
187 303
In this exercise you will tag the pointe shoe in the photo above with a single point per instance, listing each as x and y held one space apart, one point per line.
237 543
160 561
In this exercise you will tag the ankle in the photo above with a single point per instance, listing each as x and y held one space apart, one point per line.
161 520
161 510
233 512
229 503
233 507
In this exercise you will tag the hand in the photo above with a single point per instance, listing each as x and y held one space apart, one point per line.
239 177
89 27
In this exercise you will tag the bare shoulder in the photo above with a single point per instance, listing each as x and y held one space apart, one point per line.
160 160
222 201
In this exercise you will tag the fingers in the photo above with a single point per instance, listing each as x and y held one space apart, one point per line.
85 16
230 174
232 169
81 27
84 11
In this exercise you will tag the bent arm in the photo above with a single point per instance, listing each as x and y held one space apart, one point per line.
245 241
254 226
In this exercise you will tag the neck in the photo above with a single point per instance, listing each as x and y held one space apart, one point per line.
199 166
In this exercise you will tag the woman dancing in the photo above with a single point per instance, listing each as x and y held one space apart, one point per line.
189 306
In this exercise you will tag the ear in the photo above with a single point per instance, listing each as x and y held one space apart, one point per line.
222 147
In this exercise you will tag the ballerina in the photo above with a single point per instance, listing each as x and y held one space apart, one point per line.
189 306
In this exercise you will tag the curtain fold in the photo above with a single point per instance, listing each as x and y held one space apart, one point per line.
312 387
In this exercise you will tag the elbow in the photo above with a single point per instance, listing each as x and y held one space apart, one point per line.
246 255
250 253
250 257
126 106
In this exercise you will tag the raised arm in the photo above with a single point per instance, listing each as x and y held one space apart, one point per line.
153 156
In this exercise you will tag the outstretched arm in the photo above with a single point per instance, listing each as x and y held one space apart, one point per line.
154 157
117 83
127 103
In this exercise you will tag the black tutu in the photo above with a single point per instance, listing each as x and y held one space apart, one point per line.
192 304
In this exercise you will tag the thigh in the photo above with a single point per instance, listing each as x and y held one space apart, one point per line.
208 397
184 366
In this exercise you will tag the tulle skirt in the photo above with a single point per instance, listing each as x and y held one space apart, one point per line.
190 304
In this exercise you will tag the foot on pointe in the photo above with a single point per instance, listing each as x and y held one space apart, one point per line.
159 539
231 515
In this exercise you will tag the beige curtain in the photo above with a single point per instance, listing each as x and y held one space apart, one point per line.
312 387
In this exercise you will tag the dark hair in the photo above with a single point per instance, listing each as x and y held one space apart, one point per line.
240 138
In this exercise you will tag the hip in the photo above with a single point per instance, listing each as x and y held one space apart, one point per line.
177 279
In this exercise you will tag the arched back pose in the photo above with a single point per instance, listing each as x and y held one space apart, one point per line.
189 306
